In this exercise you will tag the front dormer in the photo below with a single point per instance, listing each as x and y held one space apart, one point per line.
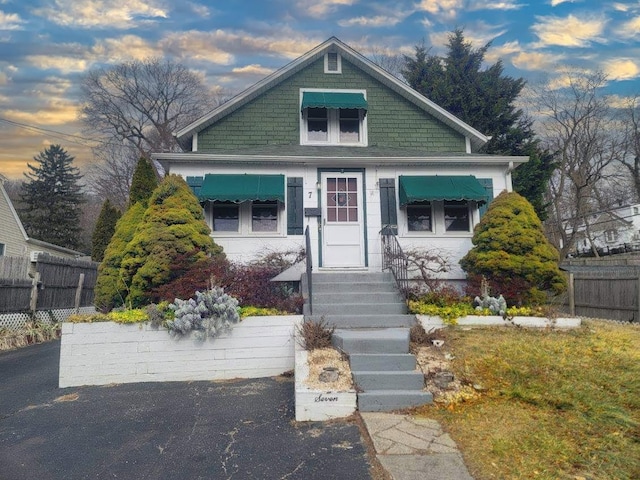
333 117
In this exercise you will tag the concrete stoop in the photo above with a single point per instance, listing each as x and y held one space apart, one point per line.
372 327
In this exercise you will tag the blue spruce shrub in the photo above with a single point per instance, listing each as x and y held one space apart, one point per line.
209 314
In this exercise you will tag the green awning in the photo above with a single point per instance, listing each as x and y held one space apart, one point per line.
242 188
440 187
333 100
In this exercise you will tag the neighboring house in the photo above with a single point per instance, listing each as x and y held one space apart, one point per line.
335 143
14 240
615 230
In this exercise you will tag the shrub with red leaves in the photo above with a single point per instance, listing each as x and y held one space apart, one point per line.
250 284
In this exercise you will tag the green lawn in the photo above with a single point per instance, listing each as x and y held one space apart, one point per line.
556 404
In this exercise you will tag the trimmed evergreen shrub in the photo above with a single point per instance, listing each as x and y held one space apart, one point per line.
172 225
111 290
105 228
510 249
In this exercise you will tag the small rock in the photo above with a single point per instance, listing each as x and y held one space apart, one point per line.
329 374
449 356
443 379
478 388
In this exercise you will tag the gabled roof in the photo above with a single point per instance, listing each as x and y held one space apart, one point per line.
477 139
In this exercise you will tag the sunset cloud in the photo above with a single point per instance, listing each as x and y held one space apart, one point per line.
376 21
321 8
622 69
64 64
10 21
496 5
101 13
56 112
252 70
631 28
536 61
571 31
444 8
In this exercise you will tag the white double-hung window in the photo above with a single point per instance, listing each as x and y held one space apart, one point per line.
333 117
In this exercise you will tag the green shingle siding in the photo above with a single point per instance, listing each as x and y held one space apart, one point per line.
274 117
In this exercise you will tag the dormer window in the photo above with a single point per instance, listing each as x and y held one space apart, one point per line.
332 62
333 117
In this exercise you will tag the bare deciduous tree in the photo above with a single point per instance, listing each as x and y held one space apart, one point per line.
578 125
142 102
110 176
391 62
631 124
136 107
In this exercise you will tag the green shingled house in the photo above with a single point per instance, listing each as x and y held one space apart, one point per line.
335 143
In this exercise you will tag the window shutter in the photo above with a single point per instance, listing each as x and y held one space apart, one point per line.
195 183
487 183
388 211
294 206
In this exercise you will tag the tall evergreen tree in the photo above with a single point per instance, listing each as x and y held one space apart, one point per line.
105 227
485 99
52 197
143 182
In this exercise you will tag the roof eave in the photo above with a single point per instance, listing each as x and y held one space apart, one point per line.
167 159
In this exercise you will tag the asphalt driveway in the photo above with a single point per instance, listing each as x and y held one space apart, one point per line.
192 430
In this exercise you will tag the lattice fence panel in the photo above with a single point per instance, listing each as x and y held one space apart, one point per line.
17 320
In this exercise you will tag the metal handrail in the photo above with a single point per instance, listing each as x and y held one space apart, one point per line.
307 241
394 259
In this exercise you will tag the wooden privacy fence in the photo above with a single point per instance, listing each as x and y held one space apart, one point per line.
608 294
55 283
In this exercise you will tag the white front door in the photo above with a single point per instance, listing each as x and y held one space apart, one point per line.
342 220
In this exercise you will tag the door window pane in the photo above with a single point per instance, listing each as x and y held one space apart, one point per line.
342 199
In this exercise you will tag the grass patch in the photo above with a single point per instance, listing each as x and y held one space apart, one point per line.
555 404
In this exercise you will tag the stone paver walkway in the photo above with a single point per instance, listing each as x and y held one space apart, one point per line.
412 448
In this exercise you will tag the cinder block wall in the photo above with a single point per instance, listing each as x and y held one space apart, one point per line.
103 353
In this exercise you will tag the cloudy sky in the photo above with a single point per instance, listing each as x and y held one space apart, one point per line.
47 45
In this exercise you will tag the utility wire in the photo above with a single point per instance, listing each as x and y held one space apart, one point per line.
68 136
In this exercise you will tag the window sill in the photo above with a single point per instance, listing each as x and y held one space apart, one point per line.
326 144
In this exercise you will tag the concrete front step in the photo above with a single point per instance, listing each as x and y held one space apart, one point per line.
359 309
359 287
389 400
383 380
344 296
365 321
390 362
385 340
352 277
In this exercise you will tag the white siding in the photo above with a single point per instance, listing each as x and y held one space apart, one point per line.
454 245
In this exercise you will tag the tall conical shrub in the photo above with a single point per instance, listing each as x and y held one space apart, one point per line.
512 253
172 225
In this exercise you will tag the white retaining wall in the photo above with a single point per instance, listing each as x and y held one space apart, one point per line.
107 352
429 322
